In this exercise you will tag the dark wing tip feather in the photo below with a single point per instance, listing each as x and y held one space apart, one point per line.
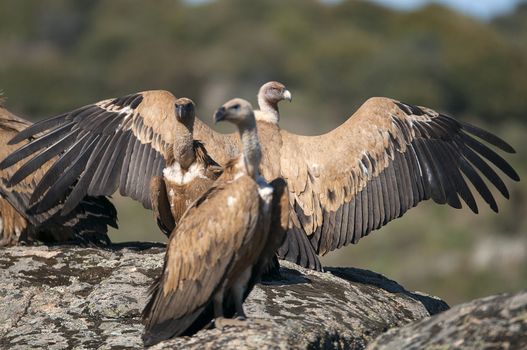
488 137
492 156
297 248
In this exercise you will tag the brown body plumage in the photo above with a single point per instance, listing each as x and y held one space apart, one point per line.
217 252
140 143
86 223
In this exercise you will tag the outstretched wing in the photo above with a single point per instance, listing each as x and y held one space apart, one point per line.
202 250
220 147
87 222
384 160
122 141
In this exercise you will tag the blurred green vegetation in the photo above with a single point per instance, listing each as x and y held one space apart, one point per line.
58 55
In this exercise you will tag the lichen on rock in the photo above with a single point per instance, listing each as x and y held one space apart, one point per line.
69 297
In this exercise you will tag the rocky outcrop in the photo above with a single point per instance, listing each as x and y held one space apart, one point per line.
495 322
85 298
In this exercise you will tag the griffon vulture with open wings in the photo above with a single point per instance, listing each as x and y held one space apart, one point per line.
382 161
217 252
141 143
86 223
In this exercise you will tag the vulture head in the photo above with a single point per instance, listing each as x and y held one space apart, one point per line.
273 92
185 110
268 97
240 113
237 111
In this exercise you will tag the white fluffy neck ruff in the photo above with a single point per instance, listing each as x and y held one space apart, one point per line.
268 117
176 174
267 113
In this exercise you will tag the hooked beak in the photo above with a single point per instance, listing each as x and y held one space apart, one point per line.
219 115
179 110
287 95
184 111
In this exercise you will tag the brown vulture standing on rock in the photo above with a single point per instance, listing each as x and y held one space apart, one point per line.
141 143
221 244
381 162
85 224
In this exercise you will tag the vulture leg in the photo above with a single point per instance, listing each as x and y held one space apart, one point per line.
161 205
238 302
238 291
218 305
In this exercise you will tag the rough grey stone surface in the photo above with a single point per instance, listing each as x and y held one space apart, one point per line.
495 322
87 298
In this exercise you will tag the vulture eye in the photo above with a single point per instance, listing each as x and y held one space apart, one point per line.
236 107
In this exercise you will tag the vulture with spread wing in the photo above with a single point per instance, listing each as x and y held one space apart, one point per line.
221 244
141 143
87 223
382 161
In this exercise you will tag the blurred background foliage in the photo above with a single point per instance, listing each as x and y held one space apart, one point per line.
58 55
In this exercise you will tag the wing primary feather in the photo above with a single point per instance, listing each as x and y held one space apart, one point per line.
131 171
140 178
115 163
432 179
328 229
376 202
344 225
445 172
146 172
105 165
358 218
450 153
137 179
37 161
385 197
422 189
115 125
95 120
59 188
86 179
431 130
56 170
294 248
151 155
393 192
482 166
371 206
35 145
36 128
338 227
302 258
351 221
126 163
492 156
108 122
414 175
401 183
487 136
408 179
478 183
84 112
